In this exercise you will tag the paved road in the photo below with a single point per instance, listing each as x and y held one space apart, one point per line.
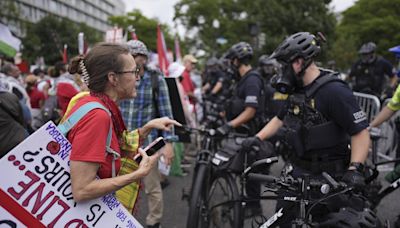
175 211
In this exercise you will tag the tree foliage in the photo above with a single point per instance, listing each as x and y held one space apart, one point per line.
47 38
275 18
145 28
9 11
367 20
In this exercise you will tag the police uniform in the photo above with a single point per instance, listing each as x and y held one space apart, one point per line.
370 77
332 116
323 129
214 77
248 93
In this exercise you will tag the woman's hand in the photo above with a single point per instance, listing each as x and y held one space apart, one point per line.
164 124
147 163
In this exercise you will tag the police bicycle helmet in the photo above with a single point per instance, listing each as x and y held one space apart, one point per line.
367 48
137 47
348 217
299 45
241 51
212 61
266 60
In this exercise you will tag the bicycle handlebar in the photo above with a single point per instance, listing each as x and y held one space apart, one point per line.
290 181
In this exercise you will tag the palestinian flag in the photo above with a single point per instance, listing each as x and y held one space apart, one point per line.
9 44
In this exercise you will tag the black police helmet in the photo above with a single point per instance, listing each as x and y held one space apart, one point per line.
241 50
302 44
350 218
266 60
367 48
212 61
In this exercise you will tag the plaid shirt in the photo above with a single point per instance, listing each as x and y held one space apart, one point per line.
139 111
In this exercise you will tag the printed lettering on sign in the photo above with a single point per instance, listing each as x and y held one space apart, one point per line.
36 192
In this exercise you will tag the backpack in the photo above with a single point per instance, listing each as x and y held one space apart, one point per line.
51 110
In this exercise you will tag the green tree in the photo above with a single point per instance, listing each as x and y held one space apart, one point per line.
145 28
367 20
47 38
9 12
275 18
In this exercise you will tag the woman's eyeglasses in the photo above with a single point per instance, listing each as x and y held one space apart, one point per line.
136 72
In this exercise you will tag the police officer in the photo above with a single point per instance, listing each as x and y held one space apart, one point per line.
371 72
215 78
321 113
245 107
274 100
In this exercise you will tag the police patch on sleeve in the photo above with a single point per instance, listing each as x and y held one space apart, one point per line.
251 99
359 116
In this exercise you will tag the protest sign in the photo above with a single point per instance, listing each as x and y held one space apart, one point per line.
35 188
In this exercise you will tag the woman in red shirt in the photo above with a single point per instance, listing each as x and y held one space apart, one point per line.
111 74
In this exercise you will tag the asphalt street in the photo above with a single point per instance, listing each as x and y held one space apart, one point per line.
176 209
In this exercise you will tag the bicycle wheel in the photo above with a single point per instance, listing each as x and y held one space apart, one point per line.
197 210
223 202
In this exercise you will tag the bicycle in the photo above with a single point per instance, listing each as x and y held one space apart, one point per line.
204 176
376 194
221 210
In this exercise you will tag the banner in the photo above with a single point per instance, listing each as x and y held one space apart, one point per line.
35 188
162 52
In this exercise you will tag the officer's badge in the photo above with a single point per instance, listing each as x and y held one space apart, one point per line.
312 103
296 109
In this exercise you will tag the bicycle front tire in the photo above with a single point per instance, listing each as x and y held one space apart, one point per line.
196 219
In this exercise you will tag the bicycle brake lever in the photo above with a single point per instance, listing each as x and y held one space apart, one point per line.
331 181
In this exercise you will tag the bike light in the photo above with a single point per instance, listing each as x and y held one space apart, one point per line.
325 189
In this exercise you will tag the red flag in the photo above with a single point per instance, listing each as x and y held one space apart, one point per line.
162 52
133 35
178 56
65 56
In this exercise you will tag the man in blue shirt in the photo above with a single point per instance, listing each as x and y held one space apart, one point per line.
152 101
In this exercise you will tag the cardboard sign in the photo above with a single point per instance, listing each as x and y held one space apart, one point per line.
35 188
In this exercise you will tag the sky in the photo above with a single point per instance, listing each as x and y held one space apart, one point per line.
164 9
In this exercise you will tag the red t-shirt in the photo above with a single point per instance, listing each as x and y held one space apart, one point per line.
187 83
35 97
65 92
88 138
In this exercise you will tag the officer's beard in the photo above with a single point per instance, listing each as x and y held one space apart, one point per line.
288 81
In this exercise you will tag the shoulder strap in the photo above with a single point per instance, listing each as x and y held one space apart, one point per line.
321 81
74 118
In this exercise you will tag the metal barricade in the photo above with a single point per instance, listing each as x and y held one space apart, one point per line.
370 104
386 146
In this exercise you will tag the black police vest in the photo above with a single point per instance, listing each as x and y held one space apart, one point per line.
307 128
367 79
236 106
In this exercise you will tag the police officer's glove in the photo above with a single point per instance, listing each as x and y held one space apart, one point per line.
248 143
354 176
224 129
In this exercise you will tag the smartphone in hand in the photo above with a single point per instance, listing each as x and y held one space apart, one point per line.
151 149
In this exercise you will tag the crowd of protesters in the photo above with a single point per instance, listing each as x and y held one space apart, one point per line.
27 101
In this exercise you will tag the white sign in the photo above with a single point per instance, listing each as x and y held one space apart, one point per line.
115 35
35 188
